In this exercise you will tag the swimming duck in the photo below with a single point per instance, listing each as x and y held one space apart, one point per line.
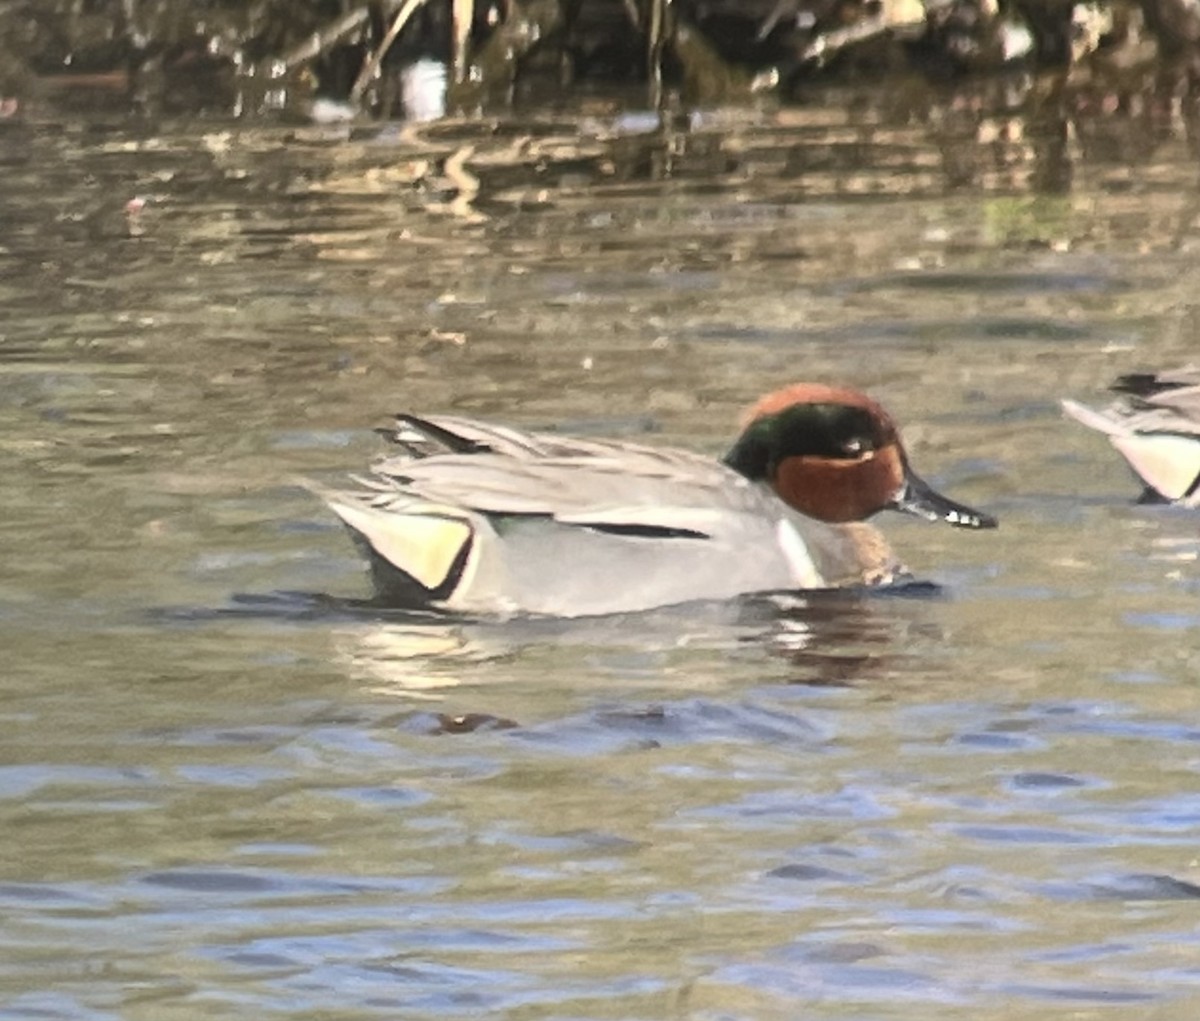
1156 427
468 516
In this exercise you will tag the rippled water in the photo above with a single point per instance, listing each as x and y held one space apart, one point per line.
230 786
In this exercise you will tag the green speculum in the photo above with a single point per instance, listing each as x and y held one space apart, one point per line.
834 431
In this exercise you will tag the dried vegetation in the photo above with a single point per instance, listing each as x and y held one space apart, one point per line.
255 56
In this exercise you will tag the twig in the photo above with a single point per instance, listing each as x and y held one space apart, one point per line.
656 33
783 9
322 40
902 17
463 16
371 66
825 46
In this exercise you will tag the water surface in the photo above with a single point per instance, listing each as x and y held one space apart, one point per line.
230 788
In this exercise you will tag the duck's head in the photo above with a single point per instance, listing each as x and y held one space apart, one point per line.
834 454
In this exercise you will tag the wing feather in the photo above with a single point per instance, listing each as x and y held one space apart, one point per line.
1155 425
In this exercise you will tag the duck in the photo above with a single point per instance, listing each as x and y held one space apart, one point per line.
470 517
1155 425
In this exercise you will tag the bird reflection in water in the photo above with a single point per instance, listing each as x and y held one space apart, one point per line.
831 639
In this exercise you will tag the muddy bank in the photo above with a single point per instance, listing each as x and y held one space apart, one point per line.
423 58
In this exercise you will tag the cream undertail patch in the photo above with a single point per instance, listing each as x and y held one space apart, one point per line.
424 544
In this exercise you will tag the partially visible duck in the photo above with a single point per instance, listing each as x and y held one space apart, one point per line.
473 517
1155 425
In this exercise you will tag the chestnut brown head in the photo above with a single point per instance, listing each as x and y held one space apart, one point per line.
834 454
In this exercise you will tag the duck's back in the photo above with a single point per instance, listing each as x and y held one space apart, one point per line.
472 516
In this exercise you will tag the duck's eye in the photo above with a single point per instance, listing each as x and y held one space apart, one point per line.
855 446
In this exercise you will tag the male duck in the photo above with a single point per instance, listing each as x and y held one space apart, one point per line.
1156 428
483 518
